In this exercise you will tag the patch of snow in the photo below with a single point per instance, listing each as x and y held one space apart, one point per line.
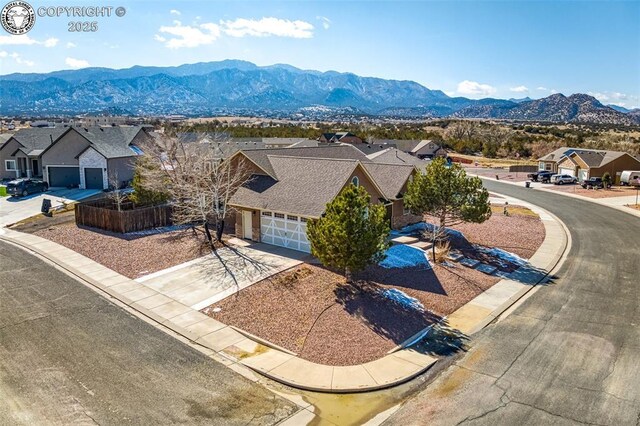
403 299
504 258
403 256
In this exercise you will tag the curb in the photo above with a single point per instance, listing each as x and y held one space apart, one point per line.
238 349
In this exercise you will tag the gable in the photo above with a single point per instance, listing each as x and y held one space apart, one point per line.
65 150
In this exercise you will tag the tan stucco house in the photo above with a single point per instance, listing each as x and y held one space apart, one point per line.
586 163
290 186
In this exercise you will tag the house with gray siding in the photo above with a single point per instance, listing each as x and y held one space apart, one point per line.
91 157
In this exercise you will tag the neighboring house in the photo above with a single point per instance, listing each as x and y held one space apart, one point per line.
586 163
225 147
342 137
70 156
20 154
404 145
428 149
290 186
395 156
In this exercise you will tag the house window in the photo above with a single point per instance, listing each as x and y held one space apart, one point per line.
292 218
355 181
266 214
279 215
10 165
541 165
547 167
304 219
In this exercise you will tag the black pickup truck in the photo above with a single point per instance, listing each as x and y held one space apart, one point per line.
594 182
541 176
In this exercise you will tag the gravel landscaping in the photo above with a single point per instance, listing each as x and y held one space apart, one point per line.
314 313
131 256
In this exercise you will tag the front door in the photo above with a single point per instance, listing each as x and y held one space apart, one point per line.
246 224
34 167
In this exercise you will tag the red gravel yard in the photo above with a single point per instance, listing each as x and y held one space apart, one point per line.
314 313
128 255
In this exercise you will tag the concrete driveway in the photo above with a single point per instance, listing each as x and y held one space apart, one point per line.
13 210
211 278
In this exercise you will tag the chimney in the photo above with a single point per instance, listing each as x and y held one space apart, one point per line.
51 137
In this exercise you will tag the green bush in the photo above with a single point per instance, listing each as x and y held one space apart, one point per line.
144 196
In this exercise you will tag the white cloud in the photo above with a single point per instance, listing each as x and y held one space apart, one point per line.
542 89
71 45
188 36
519 89
175 12
25 40
19 59
326 22
51 42
616 98
203 34
76 63
17 40
474 88
267 27
3 54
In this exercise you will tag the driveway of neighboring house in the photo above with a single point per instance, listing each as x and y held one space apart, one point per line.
209 279
13 210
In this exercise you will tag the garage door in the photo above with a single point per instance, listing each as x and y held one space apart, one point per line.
93 178
284 230
566 171
64 176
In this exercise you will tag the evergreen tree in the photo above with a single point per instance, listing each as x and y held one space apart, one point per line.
351 234
143 195
448 194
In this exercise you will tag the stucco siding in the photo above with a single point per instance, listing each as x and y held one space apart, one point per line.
5 154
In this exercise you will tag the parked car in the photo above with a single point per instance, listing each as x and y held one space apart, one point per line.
594 182
627 176
542 176
24 187
562 179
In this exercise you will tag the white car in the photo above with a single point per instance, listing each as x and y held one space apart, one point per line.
562 179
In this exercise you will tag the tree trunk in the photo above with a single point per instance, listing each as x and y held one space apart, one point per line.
208 234
219 229
347 275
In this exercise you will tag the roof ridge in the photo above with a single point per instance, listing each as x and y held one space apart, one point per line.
313 158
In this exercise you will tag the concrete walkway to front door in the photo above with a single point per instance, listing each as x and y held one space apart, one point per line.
209 279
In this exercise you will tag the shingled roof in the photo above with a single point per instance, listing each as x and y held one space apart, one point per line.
261 156
390 177
37 138
111 142
303 186
395 156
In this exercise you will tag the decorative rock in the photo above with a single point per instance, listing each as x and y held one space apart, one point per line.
455 256
404 240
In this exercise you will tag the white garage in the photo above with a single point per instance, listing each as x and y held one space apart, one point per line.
284 230
567 171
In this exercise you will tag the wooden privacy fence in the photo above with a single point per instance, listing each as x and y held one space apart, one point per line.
99 215
523 169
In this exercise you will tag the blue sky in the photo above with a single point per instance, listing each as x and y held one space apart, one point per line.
475 49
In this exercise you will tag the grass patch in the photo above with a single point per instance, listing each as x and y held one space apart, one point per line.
513 210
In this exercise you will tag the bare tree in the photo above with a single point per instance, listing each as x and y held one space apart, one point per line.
116 194
199 182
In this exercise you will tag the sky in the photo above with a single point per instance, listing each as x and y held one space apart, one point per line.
476 49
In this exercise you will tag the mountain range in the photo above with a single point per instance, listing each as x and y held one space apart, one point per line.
233 86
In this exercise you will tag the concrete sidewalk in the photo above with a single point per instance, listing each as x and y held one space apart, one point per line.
239 350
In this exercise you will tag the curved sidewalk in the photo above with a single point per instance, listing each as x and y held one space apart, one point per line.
238 349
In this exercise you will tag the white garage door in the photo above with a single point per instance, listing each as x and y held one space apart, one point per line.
565 171
284 230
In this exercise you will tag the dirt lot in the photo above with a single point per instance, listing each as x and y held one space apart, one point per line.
131 256
502 174
313 312
616 191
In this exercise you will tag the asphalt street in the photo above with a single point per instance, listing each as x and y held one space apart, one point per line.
69 356
570 354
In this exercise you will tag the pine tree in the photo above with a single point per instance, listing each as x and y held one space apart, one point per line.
351 234
447 193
